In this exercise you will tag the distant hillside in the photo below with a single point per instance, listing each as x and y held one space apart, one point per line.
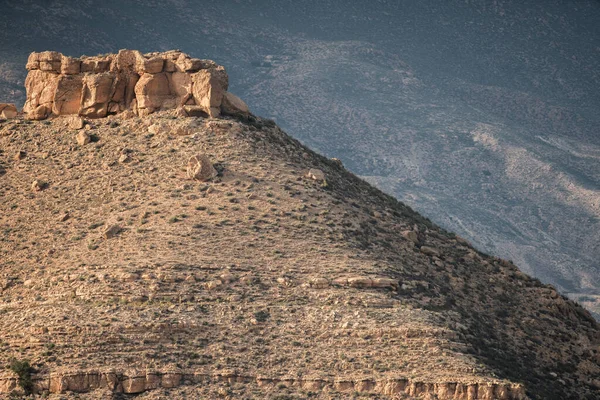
480 114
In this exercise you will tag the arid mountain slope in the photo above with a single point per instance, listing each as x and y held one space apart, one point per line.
480 114
119 273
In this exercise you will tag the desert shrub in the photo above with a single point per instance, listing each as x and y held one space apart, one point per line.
23 370
261 316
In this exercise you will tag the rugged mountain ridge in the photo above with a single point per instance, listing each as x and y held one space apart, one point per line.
284 275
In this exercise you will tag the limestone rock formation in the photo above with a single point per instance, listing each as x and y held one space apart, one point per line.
95 87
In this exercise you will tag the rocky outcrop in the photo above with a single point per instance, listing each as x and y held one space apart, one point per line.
95 87
138 382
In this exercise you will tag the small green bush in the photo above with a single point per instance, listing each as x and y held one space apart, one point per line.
23 370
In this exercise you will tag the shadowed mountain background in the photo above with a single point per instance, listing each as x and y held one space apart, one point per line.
481 114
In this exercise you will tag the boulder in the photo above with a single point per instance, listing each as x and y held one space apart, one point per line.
411 236
83 138
430 251
360 282
195 111
112 231
8 111
318 283
233 105
19 155
75 122
209 88
316 174
200 168
38 185
384 283
39 113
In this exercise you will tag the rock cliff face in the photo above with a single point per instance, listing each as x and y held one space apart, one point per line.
135 382
95 87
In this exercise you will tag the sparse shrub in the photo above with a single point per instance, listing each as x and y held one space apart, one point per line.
261 316
23 370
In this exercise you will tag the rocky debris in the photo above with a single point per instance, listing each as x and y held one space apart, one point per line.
19 155
95 87
430 251
8 111
38 185
411 235
193 111
338 162
83 138
112 231
384 283
175 127
123 158
200 168
316 174
38 113
359 282
367 282
285 281
226 277
213 284
318 283
233 105
75 122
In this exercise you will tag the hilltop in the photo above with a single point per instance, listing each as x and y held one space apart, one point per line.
276 273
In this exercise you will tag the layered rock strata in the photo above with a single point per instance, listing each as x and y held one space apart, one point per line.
95 87
138 382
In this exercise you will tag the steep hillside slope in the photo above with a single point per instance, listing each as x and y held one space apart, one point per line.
119 273
480 114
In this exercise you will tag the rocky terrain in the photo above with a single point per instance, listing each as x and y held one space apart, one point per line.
480 114
168 256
